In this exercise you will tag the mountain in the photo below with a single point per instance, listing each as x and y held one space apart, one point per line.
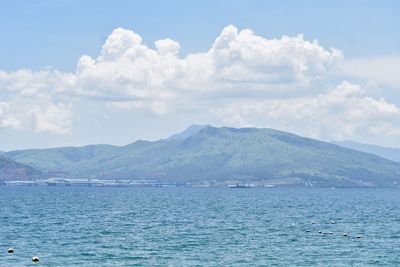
384 152
12 170
188 132
246 154
63 158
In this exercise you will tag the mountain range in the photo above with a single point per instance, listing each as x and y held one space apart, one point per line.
216 154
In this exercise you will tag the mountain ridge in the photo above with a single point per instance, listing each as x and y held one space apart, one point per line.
189 131
228 153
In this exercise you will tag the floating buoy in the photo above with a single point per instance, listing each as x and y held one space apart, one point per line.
344 234
358 236
10 250
307 231
320 232
331 233
333 222
35 259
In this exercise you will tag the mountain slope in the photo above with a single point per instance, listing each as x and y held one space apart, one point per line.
226 153
191 130
12 170
384 152
59 159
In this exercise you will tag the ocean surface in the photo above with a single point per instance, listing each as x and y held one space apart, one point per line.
84 226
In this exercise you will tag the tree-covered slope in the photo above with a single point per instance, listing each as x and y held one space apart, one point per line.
12 170
60 159
222 154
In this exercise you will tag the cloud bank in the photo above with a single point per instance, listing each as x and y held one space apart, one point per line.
243 79
341 113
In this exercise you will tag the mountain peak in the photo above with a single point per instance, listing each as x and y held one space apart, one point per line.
188 132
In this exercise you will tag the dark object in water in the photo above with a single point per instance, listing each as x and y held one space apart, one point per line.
35 259
10 250
344 234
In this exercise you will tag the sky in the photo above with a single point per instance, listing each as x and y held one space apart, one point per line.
75 72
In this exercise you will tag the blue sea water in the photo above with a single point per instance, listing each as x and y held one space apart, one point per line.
83 226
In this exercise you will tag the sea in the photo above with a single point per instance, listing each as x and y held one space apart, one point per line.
111 226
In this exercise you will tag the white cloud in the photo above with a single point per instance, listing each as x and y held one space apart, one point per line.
245 57
167 46
383 71
34 100
54 118
38 115
339 114
239 63
243 79
118 43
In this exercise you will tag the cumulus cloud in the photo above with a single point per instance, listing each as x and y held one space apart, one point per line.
39 116
34 101
239 62
118 43
167 46
245 57
341 113
242 79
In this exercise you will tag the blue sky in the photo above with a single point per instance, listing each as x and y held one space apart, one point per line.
41 33
53 36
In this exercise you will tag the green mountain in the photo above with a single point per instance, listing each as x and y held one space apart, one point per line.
12 170
209 153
